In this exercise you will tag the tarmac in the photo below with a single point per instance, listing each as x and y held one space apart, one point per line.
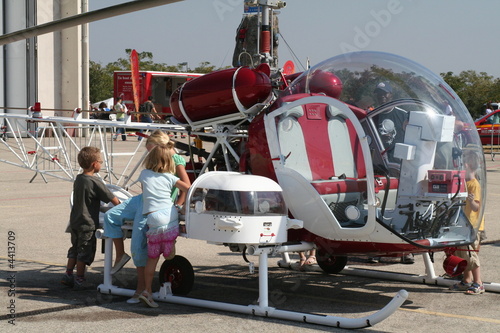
33 256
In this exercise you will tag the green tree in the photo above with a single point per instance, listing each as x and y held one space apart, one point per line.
101 82
474 89
204 67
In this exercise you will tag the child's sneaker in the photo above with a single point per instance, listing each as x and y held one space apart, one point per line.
68 280
81 285
475 289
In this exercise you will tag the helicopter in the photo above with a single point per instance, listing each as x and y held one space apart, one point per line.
361 182
354 179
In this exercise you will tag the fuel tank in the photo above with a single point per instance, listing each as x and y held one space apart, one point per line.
224 95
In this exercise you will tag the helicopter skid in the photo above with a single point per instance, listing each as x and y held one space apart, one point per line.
262 309
429 277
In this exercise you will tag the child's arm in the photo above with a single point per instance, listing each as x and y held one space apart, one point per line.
115 201
180 171
183 186
474 204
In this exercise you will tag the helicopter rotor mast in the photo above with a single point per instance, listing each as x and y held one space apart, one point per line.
265 29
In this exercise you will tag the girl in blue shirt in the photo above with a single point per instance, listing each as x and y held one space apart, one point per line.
157 181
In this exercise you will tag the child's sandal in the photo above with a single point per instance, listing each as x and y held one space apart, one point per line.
311 261
147 299
475 289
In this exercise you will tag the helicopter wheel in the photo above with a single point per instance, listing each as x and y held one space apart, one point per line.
179 272
329 263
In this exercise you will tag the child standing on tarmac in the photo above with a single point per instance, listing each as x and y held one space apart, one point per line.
157 181
88 192
471 282
131 209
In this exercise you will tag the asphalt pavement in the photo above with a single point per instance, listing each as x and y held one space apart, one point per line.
33 257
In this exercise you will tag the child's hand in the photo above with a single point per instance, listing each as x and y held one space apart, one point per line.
470 197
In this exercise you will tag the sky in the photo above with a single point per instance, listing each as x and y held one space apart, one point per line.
442 35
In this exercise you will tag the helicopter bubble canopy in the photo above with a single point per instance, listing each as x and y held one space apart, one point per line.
420 134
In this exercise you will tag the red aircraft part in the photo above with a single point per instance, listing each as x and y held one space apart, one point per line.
220 93
319 82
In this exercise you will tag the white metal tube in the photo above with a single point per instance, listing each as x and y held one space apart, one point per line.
340 322
303 246
262 309
263 286
108 259
438 281
256 249
429 266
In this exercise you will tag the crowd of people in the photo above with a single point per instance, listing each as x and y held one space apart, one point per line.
147 113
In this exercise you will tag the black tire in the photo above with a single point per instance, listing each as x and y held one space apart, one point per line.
179 272
329 263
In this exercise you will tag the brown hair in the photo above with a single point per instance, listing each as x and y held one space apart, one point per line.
87 156
159 158
472 159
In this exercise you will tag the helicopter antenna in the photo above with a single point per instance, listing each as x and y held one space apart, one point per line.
293 53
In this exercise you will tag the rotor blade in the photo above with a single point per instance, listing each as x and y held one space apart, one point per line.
83 18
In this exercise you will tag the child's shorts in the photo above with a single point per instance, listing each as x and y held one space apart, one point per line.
470 253
162 243
83 246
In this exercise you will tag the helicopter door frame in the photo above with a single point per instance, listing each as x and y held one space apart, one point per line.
312 208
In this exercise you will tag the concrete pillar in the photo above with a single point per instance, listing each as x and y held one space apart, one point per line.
71 60
15 57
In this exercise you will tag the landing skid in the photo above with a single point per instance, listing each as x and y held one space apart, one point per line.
262 309
429 277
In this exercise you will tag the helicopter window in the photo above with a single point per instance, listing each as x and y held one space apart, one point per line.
271 203
391 125
220 201
388 127
238 202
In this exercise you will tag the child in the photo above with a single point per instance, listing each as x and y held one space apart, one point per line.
88 192
131 209
157 181
471 282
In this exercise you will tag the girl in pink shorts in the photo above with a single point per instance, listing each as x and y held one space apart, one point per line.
158 180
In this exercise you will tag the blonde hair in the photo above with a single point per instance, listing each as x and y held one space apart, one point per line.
159 158
87 156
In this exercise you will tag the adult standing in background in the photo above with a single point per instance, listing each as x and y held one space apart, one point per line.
489 108
148 113
119 108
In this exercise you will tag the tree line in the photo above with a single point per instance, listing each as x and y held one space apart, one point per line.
101 77
474 89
